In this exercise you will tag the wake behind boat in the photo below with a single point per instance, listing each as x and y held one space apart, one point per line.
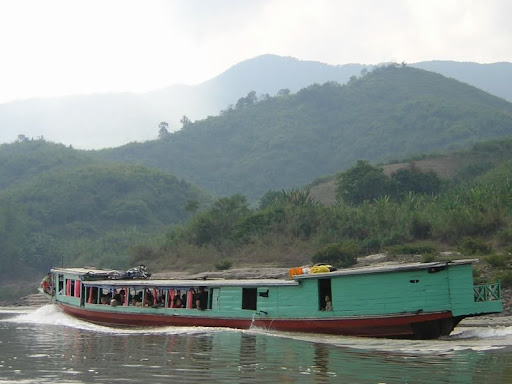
418 300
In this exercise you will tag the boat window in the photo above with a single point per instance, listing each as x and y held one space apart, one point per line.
92 295
61 284
76 288
324 295
201 298
133 296
105 296
70 287
176 298
249 298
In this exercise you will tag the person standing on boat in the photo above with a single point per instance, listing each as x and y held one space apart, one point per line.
47 284
202 299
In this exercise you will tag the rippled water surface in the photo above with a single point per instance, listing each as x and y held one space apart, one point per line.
46 346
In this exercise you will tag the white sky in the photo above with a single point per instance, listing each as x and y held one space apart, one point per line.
60 47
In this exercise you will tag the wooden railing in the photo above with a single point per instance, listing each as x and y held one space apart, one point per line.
487 292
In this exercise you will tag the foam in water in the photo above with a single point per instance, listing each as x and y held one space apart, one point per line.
51 315
484 333
477 339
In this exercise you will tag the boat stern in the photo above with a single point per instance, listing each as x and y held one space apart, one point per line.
485 300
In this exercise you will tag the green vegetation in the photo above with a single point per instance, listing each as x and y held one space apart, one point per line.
365 182
288 140
466 217
76 211
342 255
119 207
222 265
26 159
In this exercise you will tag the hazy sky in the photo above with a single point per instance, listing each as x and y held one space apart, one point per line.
59 47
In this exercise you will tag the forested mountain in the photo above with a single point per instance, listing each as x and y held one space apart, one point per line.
110 120
288 140
65 207
25 159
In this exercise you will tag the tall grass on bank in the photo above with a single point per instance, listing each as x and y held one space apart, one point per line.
230 229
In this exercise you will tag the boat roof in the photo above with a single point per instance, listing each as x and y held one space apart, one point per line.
83 270
387 268
99 277
176 283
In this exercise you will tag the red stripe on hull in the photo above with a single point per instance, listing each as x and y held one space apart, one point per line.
385 326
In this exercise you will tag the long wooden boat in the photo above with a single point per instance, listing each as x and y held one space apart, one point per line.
420 300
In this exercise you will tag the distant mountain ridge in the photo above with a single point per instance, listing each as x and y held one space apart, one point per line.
287 141
494 78
111 120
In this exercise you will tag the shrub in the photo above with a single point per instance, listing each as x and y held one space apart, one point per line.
496 260
428 258
505 279
341 255
370 246
420 227
474 246
504 236
223 265
477 276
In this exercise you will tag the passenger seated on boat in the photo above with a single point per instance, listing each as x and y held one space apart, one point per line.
118 299
328 304
178 303
106 299
159 302
137 300
202 299
148 299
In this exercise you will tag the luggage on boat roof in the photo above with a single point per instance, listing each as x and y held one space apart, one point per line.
139 272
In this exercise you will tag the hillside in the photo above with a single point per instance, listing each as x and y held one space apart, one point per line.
493 78
285 141
25 159
66 208
113 119
488 162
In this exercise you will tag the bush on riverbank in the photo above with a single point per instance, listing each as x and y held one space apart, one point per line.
289 227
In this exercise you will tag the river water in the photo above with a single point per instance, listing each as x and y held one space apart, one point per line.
43 345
